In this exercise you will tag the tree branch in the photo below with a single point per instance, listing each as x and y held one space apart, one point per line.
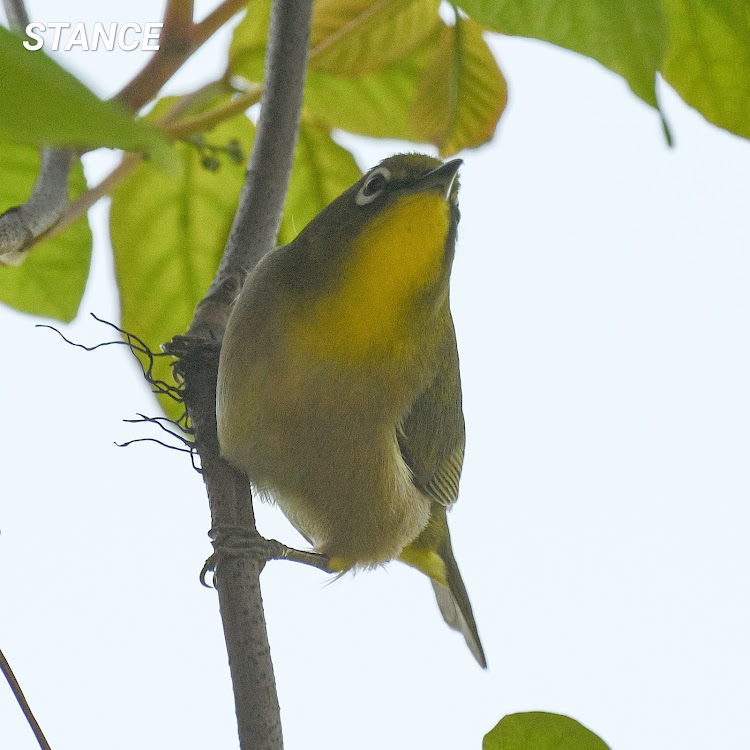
22 226
18 18
218 17
207 120
81 205
253 234
180 38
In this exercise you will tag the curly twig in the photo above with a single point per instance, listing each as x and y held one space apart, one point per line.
137 346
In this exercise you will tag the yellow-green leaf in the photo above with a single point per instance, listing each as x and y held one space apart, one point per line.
708 60
52 278
462 92
351 38
322 171
42 104
537 730
247 51
168 236
629 37
377 104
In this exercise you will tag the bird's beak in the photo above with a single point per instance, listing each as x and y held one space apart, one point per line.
441 178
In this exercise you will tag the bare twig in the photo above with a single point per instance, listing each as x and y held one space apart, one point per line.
83 203
207 120
18 18
218 17
22 702
178 42
22 226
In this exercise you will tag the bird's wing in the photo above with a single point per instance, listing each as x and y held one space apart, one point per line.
432 435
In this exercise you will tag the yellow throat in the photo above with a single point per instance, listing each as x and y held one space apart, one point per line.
399 252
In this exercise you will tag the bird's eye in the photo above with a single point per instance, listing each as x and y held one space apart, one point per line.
373 186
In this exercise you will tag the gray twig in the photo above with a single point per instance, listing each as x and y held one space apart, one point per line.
18 18
21 226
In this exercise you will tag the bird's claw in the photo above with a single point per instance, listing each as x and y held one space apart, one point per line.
238 540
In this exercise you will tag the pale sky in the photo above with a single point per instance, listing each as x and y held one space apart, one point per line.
600 293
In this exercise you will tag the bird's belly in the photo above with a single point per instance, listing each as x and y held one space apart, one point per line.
325 449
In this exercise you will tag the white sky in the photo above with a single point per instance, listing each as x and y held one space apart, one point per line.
600 295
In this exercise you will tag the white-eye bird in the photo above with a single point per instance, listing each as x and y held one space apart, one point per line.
339 392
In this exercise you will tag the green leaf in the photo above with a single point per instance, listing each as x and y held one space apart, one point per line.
537 730
628 37
462 92
708 61
322 171
351 38
248 48
169 234
377 104
52 278
44 105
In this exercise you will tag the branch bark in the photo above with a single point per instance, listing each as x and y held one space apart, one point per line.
253 233
18 18
22 226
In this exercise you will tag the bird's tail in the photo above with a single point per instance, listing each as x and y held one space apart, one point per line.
432 554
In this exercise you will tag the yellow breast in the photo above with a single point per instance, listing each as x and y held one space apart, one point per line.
391 261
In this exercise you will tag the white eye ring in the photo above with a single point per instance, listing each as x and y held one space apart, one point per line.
373 187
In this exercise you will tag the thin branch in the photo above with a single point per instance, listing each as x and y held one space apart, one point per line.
175 48
197 97
207 120
22 226
178 19
18 18
83 203
218 17
22 702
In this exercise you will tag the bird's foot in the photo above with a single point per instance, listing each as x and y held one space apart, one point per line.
232 541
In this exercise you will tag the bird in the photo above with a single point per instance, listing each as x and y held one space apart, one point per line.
339 392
